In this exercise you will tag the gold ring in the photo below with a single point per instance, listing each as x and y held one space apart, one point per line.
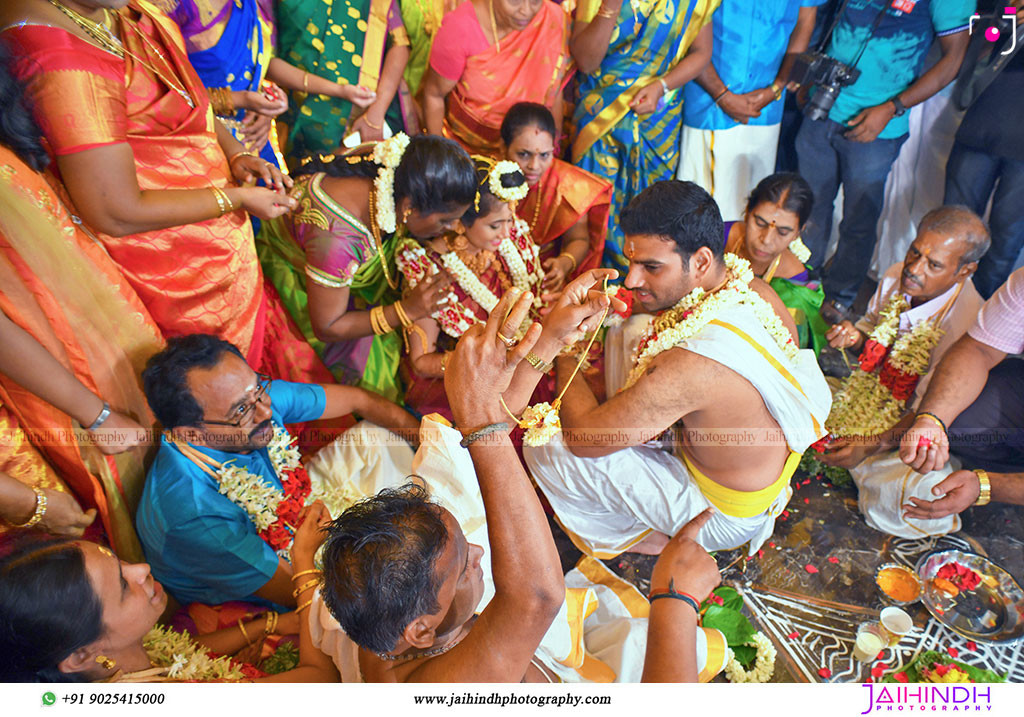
510 343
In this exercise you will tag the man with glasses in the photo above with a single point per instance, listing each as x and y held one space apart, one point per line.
216 411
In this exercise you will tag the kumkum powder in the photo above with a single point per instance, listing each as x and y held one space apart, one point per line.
899 584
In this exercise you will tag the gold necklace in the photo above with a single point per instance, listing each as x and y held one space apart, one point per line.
536 211
376 239
108 41
494 25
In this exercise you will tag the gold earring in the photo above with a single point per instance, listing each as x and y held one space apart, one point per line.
105 662
405 215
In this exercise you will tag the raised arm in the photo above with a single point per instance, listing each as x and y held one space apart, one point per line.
958 381
528 583
296 80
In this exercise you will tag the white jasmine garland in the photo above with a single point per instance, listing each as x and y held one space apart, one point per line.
800 250
388 154
506 194
185 659
764 666
258 499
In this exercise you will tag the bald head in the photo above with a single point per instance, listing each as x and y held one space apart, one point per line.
958 222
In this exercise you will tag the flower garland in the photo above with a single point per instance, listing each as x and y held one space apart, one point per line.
615 317
520 254
506 194
873 397
388 154
695 310
186 660
764 666
800 250
273 512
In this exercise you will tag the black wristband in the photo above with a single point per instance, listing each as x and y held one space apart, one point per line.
685 598
481 432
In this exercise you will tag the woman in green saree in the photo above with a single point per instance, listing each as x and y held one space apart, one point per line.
332 259
360 42
769 238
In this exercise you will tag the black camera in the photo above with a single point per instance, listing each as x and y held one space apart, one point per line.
828 74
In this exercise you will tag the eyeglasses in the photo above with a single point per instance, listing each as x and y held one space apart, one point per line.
242 412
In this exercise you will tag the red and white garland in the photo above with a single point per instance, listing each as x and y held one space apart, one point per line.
273 512
872 398
519 253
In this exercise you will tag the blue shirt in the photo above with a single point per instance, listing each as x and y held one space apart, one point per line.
895 53
749 41
200 545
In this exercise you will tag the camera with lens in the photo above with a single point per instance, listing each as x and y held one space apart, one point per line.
826 73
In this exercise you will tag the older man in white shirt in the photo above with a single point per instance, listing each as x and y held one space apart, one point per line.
935 279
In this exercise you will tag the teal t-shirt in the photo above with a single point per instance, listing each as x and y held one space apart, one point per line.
200 545
894 55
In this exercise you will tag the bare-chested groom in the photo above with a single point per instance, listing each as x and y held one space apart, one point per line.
719 357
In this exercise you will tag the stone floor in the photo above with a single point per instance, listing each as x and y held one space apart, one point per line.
824 607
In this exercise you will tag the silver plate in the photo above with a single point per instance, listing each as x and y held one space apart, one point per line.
992 612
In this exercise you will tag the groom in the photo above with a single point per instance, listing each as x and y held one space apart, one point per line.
744 408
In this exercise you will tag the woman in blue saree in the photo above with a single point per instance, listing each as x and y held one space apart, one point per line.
229 43
633 57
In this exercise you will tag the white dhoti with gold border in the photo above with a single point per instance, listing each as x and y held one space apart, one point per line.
609 503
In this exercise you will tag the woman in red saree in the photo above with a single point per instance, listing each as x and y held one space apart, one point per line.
135 142
567 207
488 55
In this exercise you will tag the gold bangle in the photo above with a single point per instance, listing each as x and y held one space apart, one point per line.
311 571
934 419
223 103
304 605
776 90
244 633
305 82
402 317
40 510
243 153
305 586
220 201
571 258
223 200
379 321
602 11
985 496
371 124
268 629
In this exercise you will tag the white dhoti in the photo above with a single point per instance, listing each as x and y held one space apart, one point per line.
600 632
606 505
728 163
885 484
610 503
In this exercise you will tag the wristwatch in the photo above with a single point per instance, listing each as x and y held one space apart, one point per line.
899 106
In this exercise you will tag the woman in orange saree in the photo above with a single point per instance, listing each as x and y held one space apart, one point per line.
567 207
72 332
135 142
488 55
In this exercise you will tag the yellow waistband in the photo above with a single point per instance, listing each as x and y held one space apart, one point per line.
741 503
